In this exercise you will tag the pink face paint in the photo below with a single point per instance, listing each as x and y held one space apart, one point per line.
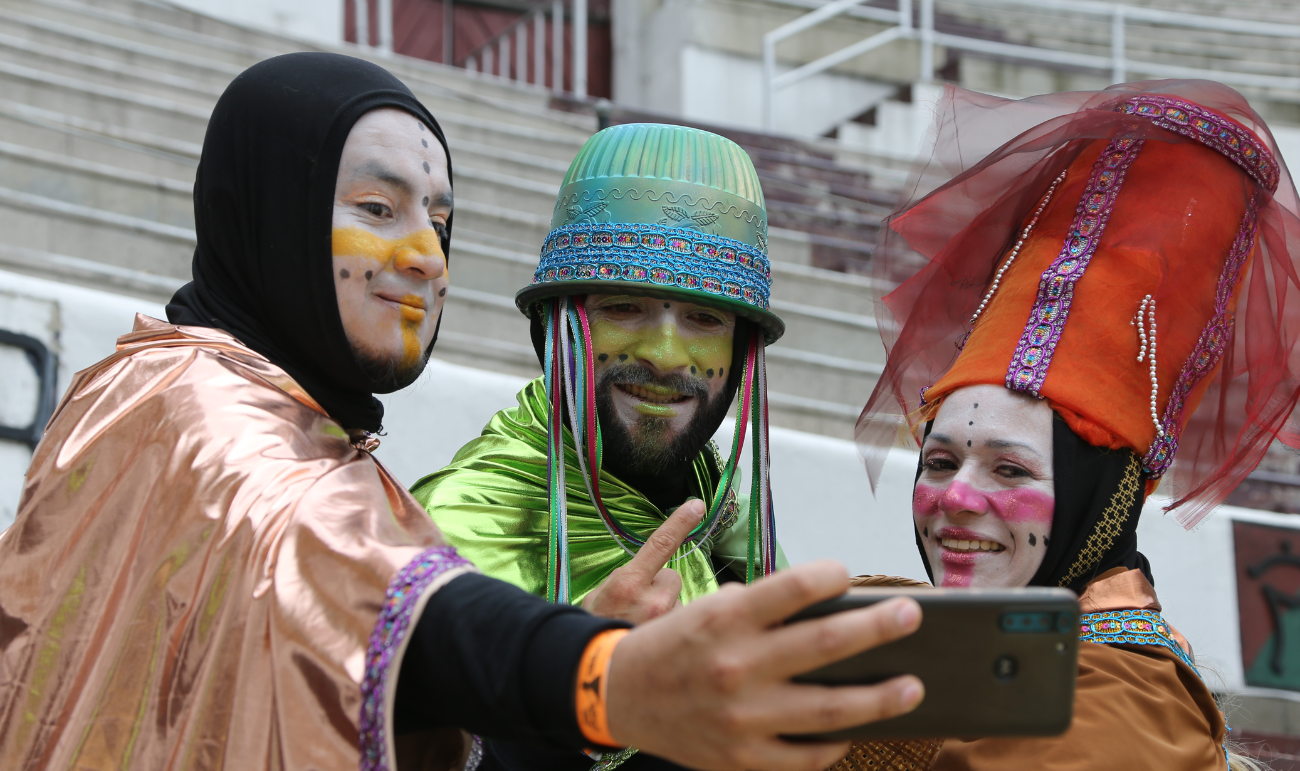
1018 504
962 497
956 573
925 500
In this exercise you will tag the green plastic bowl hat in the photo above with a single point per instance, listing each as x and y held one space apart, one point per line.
666 211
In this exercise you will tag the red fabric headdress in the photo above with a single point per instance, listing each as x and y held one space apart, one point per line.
1127 254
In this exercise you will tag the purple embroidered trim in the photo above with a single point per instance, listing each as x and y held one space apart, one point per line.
390 631
1214 340
1236 143
1028 367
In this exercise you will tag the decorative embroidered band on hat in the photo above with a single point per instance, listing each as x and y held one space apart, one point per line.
1131 627
656 255
1214 340
1216 132
1028 367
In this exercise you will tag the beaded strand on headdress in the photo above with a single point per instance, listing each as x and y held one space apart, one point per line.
1147 315
1024 235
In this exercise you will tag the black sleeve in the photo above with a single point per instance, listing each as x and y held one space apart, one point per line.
497 661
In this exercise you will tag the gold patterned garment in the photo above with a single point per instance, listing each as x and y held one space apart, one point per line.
206 573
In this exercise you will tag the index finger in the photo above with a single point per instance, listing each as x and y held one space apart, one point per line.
665 540
798 648
775 598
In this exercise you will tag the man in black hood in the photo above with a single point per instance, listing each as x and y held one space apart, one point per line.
209 569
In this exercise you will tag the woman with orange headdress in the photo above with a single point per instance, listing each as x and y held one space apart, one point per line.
1106 280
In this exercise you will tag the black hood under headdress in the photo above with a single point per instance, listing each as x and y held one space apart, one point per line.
263 212
1099 496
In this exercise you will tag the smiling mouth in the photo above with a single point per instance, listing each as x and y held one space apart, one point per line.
958 545
653 394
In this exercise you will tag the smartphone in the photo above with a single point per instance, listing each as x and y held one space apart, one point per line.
995 662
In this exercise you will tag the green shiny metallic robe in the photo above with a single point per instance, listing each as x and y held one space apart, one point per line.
491 503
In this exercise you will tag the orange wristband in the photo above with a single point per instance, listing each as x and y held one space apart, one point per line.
593 686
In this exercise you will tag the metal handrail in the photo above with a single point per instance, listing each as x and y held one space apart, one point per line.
1118 62
494 56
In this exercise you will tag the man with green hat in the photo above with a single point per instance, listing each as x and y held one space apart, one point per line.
649 313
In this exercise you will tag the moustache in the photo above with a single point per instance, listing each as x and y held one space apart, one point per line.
640 375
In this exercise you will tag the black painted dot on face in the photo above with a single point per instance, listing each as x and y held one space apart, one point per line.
344 273
442 292
424 142
720 371
622 357
1032 540
1045 541
925 531
971 423
426 167
426 201
709 373
692 370
370 274
603 357
666 305
421 125
977 405
968 443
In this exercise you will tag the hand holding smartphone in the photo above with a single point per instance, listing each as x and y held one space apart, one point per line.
995 662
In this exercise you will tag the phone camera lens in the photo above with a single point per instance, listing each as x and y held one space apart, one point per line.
1005 668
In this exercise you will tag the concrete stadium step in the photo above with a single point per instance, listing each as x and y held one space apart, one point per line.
489 98
119 107
511 163
57 35
97 142
144 79
96 185
1190 47
50 225
103 19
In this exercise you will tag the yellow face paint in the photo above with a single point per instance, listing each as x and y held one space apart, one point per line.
358 242
702 355
412 317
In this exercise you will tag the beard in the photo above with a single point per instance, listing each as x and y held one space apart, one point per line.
386 372
649 448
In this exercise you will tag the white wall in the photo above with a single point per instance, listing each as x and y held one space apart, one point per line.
313 19
80 325
1288 146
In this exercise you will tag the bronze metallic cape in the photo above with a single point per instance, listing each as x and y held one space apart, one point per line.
493 505
196 571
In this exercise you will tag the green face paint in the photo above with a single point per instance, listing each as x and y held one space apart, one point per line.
689 339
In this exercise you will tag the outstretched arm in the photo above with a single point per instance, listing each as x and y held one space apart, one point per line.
707 686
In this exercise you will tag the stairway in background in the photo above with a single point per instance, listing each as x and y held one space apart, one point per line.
103 108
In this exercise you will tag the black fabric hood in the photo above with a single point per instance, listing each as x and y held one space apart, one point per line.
263 212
